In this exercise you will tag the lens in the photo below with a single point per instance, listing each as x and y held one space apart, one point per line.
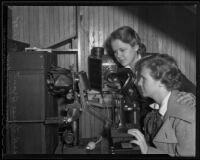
112 77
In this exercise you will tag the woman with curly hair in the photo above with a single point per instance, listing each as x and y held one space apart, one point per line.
170 129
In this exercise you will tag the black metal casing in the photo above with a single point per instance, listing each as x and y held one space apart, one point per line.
29 104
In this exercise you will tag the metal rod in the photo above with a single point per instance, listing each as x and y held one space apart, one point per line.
26 121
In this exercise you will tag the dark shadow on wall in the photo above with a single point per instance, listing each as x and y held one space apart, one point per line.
176 21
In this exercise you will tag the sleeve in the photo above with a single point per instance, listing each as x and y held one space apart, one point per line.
185 134
187 85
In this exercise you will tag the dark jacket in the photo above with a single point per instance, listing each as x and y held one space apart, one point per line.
176 137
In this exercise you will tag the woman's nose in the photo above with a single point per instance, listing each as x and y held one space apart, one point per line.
119 54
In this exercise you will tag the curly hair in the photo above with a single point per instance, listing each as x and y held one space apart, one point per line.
164 68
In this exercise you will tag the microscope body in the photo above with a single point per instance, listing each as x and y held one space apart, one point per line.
126 112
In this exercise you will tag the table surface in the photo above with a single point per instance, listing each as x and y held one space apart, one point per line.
101 148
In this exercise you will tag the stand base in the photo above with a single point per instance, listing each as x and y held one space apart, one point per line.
120 142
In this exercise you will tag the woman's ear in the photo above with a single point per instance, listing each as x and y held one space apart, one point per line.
161 84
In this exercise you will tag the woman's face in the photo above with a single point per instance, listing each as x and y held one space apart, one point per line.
148 86
125 54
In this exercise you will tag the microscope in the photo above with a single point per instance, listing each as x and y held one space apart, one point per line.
126 111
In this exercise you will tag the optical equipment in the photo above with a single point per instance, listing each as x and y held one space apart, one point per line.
66 85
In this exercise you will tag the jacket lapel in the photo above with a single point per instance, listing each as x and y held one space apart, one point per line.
166 134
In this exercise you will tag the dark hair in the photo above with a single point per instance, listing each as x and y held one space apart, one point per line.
127 35
164 68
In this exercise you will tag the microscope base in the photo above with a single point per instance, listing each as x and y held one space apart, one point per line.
120 142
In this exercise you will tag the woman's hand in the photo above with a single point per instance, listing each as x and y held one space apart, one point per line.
140 140
186 98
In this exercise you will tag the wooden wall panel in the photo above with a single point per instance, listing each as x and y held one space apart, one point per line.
42 26
45 27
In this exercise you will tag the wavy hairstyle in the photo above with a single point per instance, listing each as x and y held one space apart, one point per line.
164 68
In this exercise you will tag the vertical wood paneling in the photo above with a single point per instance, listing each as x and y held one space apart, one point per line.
111 19
149 39
71 28
105 21
34 23
142 26
67 23
61 22
51 24
160 43
46 26
101 28
95 25
91 28
120 11
41 26
154 41
130 17
182 60
133 12
187 58
125 16
56 24
167 37
116 18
